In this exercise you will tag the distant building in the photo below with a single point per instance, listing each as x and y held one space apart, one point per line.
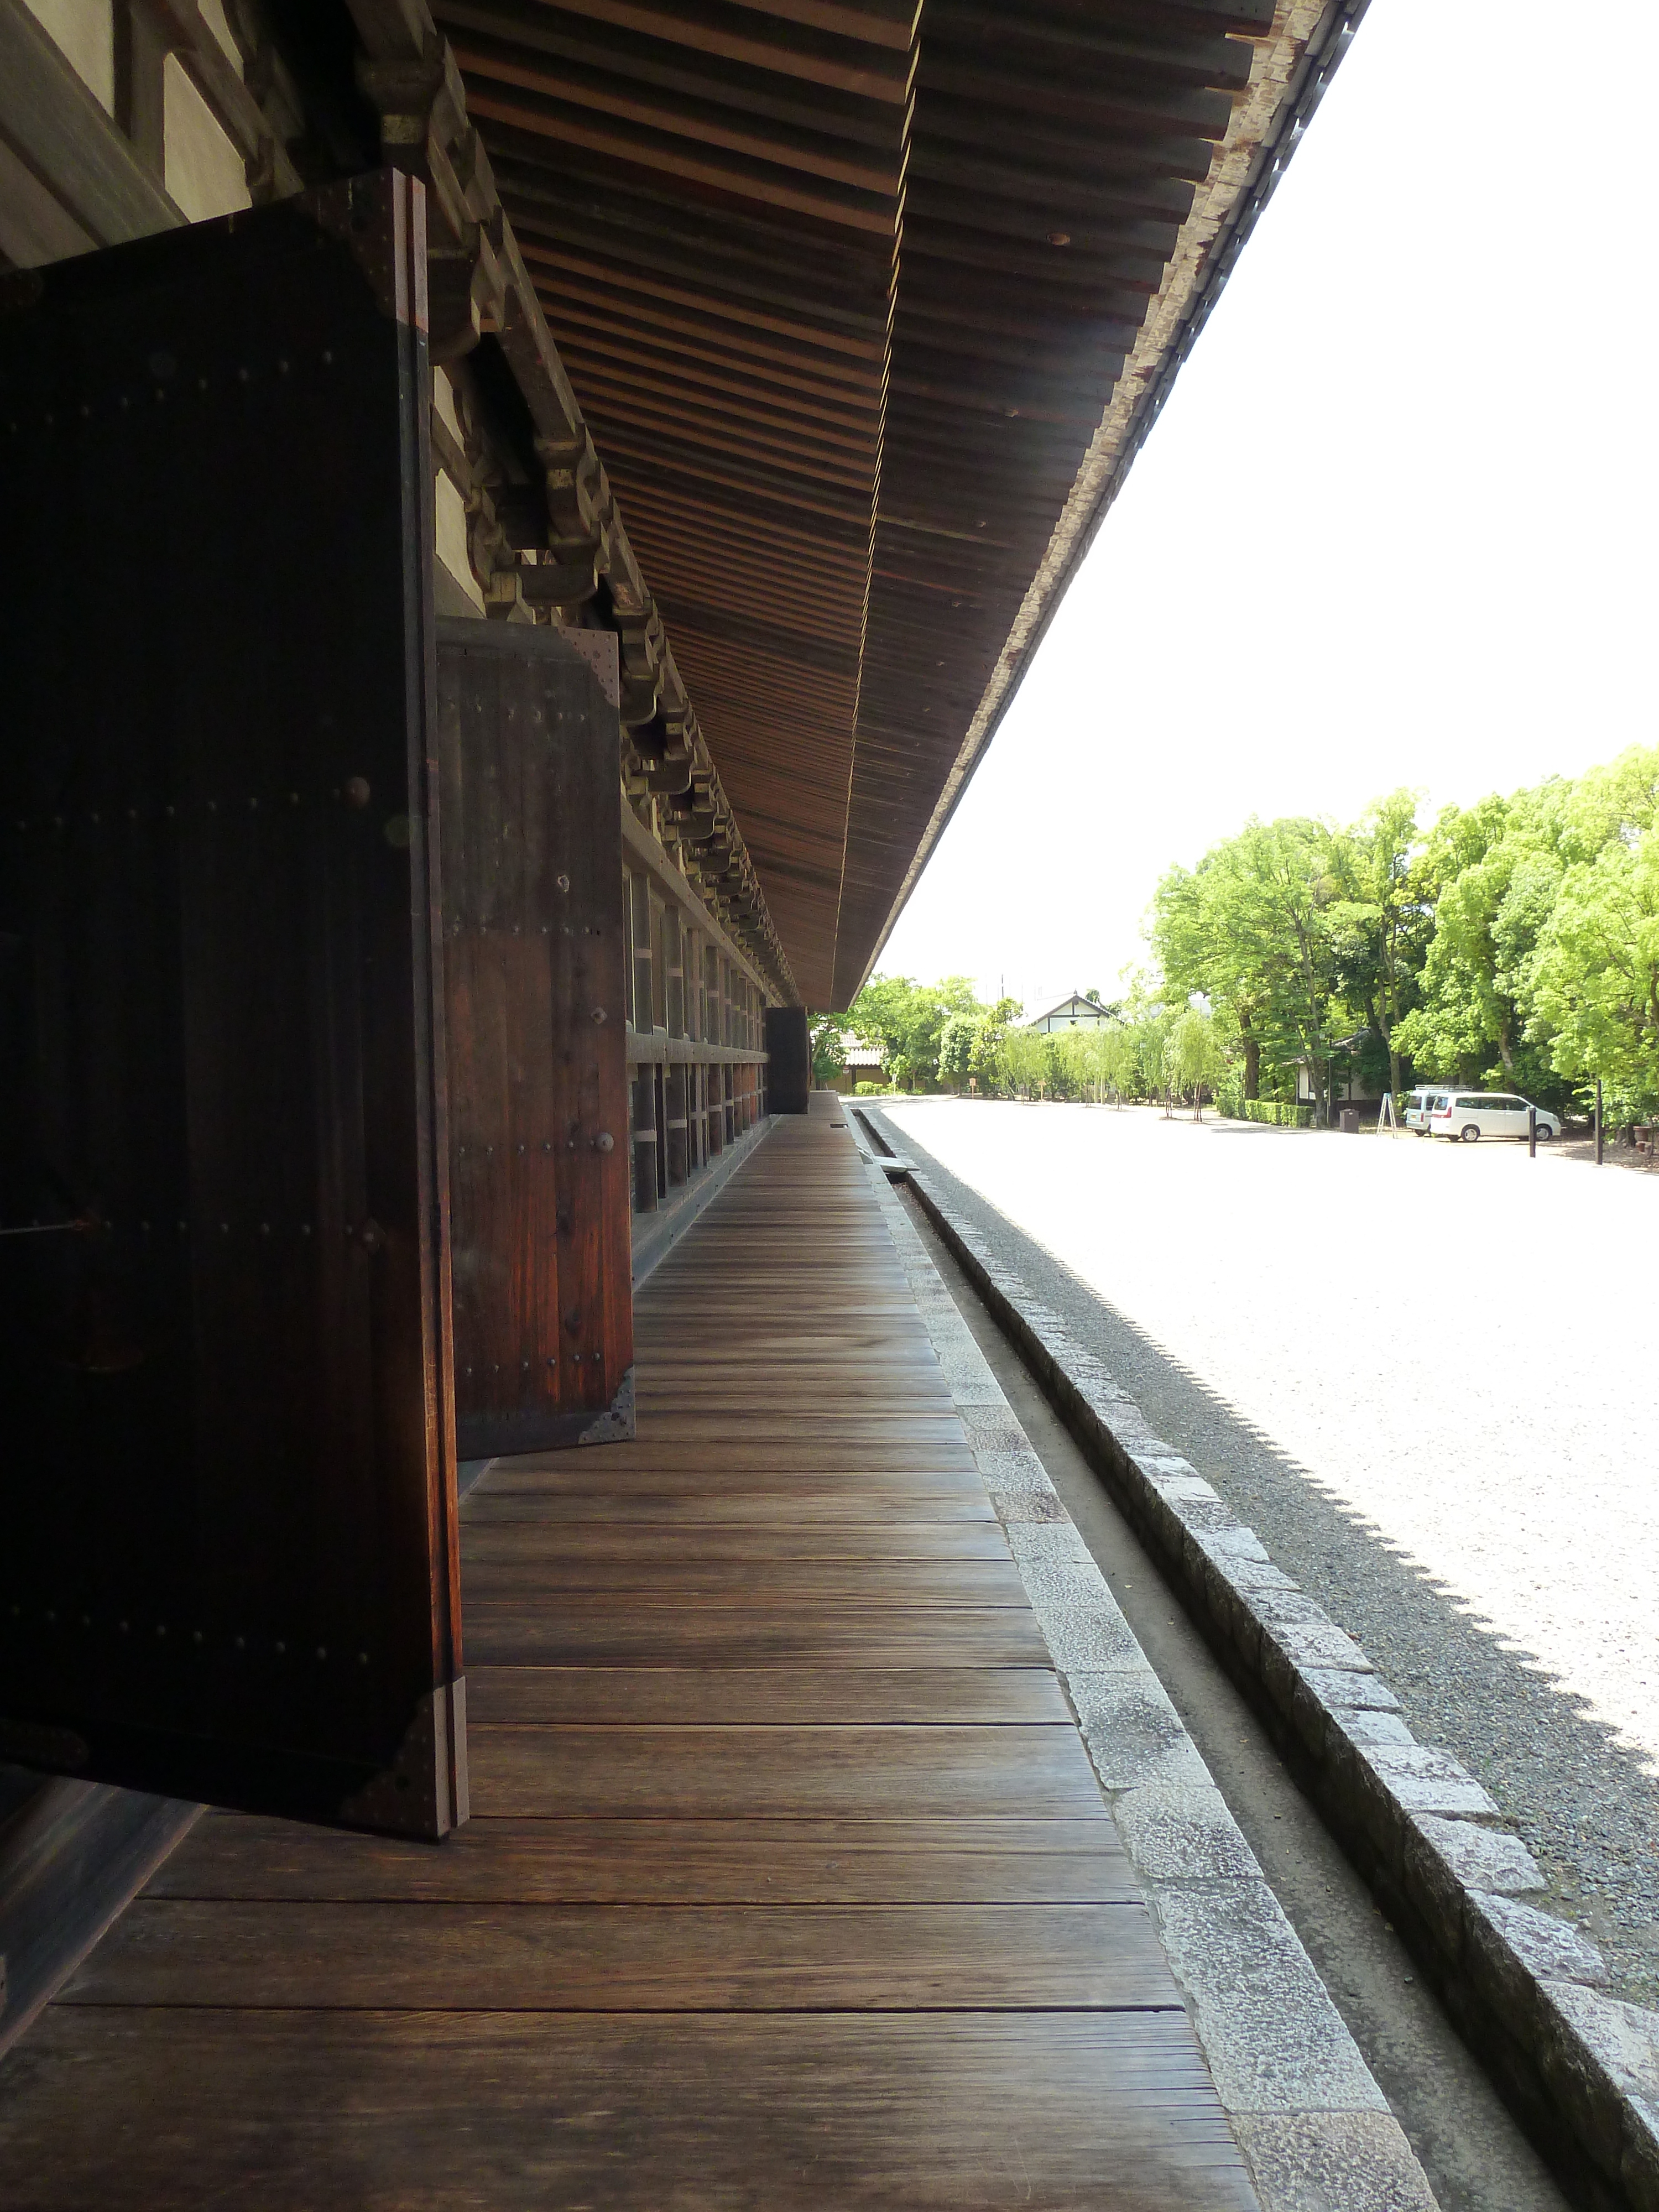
1344 1086
1341 1086
863 1063
1076 1013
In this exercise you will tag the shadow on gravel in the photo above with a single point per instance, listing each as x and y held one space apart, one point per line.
1584 1803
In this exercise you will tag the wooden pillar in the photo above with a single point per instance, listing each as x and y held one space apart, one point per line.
789 1073
542 1140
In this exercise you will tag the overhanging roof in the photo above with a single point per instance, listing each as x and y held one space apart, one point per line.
867 304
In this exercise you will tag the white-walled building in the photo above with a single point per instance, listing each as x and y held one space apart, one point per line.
1076 1013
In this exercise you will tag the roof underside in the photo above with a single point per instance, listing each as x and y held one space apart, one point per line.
846 299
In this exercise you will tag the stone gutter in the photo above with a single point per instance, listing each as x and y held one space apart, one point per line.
1579 2067
1313 2126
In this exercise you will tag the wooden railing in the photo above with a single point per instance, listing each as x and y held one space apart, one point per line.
696 1062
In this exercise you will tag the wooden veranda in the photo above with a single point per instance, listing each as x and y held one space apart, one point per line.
536 508
788 1880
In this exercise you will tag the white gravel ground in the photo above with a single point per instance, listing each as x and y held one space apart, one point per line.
1460 1345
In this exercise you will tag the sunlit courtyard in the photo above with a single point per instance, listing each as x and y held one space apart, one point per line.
1456 1342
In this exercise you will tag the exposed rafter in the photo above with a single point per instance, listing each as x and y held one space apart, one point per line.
857 310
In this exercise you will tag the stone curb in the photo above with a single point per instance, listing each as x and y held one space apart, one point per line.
1309 2121
1580 2068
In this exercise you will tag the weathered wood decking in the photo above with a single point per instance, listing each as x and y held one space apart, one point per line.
787 1884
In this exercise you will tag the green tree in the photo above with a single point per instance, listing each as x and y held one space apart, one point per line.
956 1048
1020 1063
1250 930
906 1019
1493 870
1592 982
1382 918
829 1050
1119 1060
1517 944
1191 1056
990 1026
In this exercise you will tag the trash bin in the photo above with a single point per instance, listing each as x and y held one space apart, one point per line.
1351 1121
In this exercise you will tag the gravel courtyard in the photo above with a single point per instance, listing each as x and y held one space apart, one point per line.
1426 1374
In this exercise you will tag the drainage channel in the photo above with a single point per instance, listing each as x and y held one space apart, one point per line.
1475 2155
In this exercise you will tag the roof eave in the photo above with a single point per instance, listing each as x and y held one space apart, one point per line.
1294 64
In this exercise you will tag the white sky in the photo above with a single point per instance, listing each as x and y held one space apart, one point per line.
1396 523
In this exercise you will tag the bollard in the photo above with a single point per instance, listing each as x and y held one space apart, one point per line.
1532 1132
1598 1121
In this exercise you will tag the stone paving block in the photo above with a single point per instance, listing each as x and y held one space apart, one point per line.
1089 1376
1134 1734
1362 1726
1179 1489
1080 1632
1638 2165
971 1382
1545 1949
1056 1545
1233 1542
1063 1578
1104 1400
1338 1687
1013 1470
1131 1434
994 1429
1321 1646
1425 1779
1481 1858
1288 1608
1333 2162
1015 1507
1600 2056
1200 1516
1182 1832
1247 1575
1624 2037
1274 2040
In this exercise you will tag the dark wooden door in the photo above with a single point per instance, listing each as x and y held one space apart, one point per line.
538 1084
227 1521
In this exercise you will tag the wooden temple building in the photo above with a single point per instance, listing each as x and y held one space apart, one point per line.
521 517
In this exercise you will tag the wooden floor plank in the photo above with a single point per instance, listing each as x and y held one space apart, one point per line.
633 1862
871 1697
637 1541
767 1773
501 2112
841 1427
751 1451
584 1630
771 1503
685 1578
580 1958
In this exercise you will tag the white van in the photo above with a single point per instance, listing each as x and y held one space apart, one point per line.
1471 1115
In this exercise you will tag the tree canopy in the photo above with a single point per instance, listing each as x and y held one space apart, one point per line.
1511 945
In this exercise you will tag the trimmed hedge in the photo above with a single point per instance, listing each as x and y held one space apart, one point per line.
1276 1114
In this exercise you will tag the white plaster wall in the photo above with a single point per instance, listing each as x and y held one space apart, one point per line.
85 32
204 174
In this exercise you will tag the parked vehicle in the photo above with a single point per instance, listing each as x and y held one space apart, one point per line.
1414 1110
1469 1115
